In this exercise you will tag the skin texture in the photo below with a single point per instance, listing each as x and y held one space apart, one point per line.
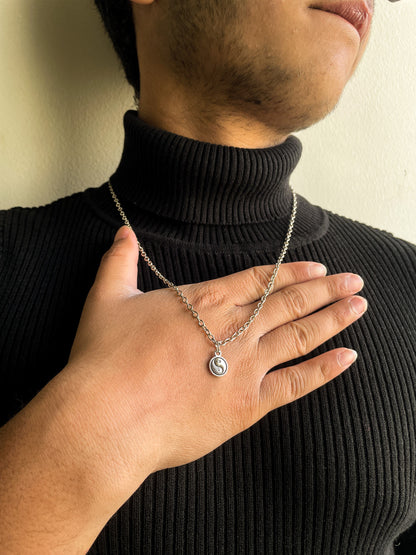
241 73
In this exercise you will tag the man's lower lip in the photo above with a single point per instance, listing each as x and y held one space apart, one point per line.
345 20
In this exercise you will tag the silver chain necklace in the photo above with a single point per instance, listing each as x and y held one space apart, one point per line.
218 366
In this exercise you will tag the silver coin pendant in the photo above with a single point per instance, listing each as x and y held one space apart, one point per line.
218 366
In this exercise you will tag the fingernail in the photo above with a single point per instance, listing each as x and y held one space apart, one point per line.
122 233
347 357
358 305
353 281
317 270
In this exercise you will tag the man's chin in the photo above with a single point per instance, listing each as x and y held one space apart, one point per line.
296 118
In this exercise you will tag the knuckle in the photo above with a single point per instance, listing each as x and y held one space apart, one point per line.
115 251
207 295
245 408
260 276
234 319
342 284
340 315
230 325
323 371
299 337
296 301
334 286
296 382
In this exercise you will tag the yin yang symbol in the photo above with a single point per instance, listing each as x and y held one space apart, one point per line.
218 366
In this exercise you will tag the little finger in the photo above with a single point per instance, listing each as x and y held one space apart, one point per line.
283 386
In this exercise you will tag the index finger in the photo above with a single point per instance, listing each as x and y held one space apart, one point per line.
248 285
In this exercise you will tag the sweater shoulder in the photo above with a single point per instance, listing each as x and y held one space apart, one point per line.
18 221
63 221
366 240
34 212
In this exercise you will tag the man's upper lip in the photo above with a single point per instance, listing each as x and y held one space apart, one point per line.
358 13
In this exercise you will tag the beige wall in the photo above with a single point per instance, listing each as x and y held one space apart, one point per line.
62 98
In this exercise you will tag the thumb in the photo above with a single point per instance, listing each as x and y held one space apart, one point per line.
117 273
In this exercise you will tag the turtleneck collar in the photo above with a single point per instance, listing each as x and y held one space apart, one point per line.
190 181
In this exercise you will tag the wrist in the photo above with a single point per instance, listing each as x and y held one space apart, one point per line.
55 489
92 437
43 492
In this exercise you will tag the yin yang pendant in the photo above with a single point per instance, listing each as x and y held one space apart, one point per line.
218 366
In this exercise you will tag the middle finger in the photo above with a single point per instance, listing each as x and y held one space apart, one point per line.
299 300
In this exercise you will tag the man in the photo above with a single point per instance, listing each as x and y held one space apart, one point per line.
203 180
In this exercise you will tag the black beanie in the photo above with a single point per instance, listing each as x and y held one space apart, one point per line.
117 16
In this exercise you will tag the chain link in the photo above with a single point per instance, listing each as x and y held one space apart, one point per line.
171 285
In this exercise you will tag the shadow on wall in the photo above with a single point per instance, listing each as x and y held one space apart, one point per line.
70 46
81 85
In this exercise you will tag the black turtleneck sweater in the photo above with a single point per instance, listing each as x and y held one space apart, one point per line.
332 473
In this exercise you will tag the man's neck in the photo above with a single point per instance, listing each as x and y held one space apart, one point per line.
208 124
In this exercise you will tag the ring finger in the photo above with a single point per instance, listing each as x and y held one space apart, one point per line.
300 337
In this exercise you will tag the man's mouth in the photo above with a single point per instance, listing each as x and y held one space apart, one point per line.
357 13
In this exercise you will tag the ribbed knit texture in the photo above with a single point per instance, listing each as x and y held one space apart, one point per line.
332 473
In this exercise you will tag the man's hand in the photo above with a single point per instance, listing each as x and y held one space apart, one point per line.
141 360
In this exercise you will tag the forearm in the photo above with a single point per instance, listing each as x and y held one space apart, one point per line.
51 497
